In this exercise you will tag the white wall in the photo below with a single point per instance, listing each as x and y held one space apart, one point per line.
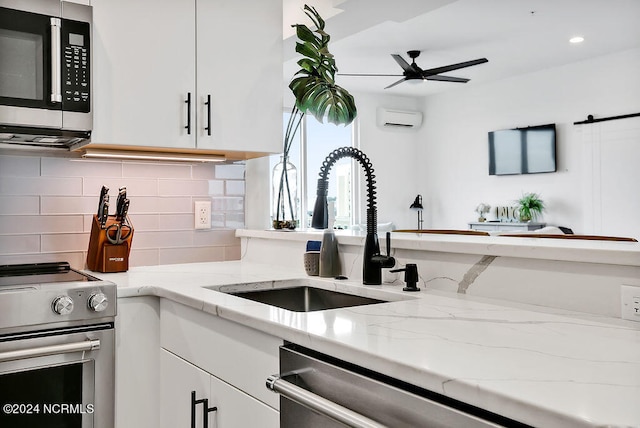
453 140
392 152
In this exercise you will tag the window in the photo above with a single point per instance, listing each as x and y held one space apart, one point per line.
315 141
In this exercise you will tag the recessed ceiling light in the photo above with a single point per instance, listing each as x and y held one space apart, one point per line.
576 39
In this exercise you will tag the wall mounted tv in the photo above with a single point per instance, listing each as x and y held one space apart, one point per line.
528 150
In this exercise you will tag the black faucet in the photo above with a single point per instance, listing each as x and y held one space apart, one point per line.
373 261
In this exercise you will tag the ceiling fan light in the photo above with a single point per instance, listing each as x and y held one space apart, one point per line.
415 81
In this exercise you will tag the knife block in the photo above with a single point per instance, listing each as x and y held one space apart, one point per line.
102 255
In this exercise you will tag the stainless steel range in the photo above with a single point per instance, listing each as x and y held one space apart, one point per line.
57 347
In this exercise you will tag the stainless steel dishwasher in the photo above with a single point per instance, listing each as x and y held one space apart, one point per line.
317 390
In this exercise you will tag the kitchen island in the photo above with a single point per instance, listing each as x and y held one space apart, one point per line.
544 367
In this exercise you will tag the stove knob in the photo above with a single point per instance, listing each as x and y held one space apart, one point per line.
98 302
62 305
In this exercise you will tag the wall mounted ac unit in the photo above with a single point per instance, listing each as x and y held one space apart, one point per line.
392 118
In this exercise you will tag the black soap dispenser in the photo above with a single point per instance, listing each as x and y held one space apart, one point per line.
410 276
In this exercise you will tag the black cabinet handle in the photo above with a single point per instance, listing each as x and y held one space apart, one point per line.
188 103
205 413
208 104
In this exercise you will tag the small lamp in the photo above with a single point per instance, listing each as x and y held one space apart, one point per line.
417 206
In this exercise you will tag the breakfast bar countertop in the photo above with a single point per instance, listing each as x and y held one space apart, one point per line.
544 367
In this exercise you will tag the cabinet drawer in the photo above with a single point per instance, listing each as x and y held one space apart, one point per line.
239 355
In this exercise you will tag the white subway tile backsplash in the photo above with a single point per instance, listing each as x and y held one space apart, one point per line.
155 170
69 205
145 222
183 187
19 205
34 224
227 204
214 237
203 171
144 257
41 186
66 167
162 239
75 259
19 166
217 220
234 187
191 255
232 253
176 222
19 244
47 205
151 205
135 186
216 187
65 242
230 171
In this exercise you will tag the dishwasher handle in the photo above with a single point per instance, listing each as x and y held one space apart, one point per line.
320 405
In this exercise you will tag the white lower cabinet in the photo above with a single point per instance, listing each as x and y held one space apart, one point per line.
223 362
234 408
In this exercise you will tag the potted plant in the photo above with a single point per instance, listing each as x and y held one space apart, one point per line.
315 92
530 206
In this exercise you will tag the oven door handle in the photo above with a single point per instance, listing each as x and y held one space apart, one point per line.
319 404
20 354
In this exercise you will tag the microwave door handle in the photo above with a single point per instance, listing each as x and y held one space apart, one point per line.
56 61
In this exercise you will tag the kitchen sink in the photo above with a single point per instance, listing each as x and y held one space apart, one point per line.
302 295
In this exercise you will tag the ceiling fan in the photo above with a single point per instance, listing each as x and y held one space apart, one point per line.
413 72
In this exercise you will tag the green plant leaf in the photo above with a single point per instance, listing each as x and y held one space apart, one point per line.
314 84
306 35
307 50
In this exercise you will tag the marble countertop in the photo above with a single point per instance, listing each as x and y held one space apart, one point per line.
588 251
547 368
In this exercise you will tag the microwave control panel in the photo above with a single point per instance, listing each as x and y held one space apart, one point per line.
76 63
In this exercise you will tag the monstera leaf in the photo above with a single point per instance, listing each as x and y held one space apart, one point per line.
314 84
316 93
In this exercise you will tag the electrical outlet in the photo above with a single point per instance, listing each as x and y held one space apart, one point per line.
630 302
202 214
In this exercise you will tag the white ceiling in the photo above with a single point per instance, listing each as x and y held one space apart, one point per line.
516 36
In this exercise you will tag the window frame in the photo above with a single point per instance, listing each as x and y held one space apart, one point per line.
303 185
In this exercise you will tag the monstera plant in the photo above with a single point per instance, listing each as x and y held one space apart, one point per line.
316 93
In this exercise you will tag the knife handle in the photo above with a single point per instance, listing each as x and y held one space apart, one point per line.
105 214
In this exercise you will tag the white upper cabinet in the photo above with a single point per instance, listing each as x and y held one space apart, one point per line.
240 66
157 64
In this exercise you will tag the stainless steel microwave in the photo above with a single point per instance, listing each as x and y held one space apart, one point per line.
45 73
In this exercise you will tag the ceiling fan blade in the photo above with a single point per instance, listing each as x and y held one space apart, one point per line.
447 78
369 75
402 63
451 67
396 83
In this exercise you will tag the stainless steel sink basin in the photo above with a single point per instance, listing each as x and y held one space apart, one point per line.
301 295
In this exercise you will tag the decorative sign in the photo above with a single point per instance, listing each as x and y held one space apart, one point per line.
507 214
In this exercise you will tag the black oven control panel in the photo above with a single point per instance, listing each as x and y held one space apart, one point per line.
76 85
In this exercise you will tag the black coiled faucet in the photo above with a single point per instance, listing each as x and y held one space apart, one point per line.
373 261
